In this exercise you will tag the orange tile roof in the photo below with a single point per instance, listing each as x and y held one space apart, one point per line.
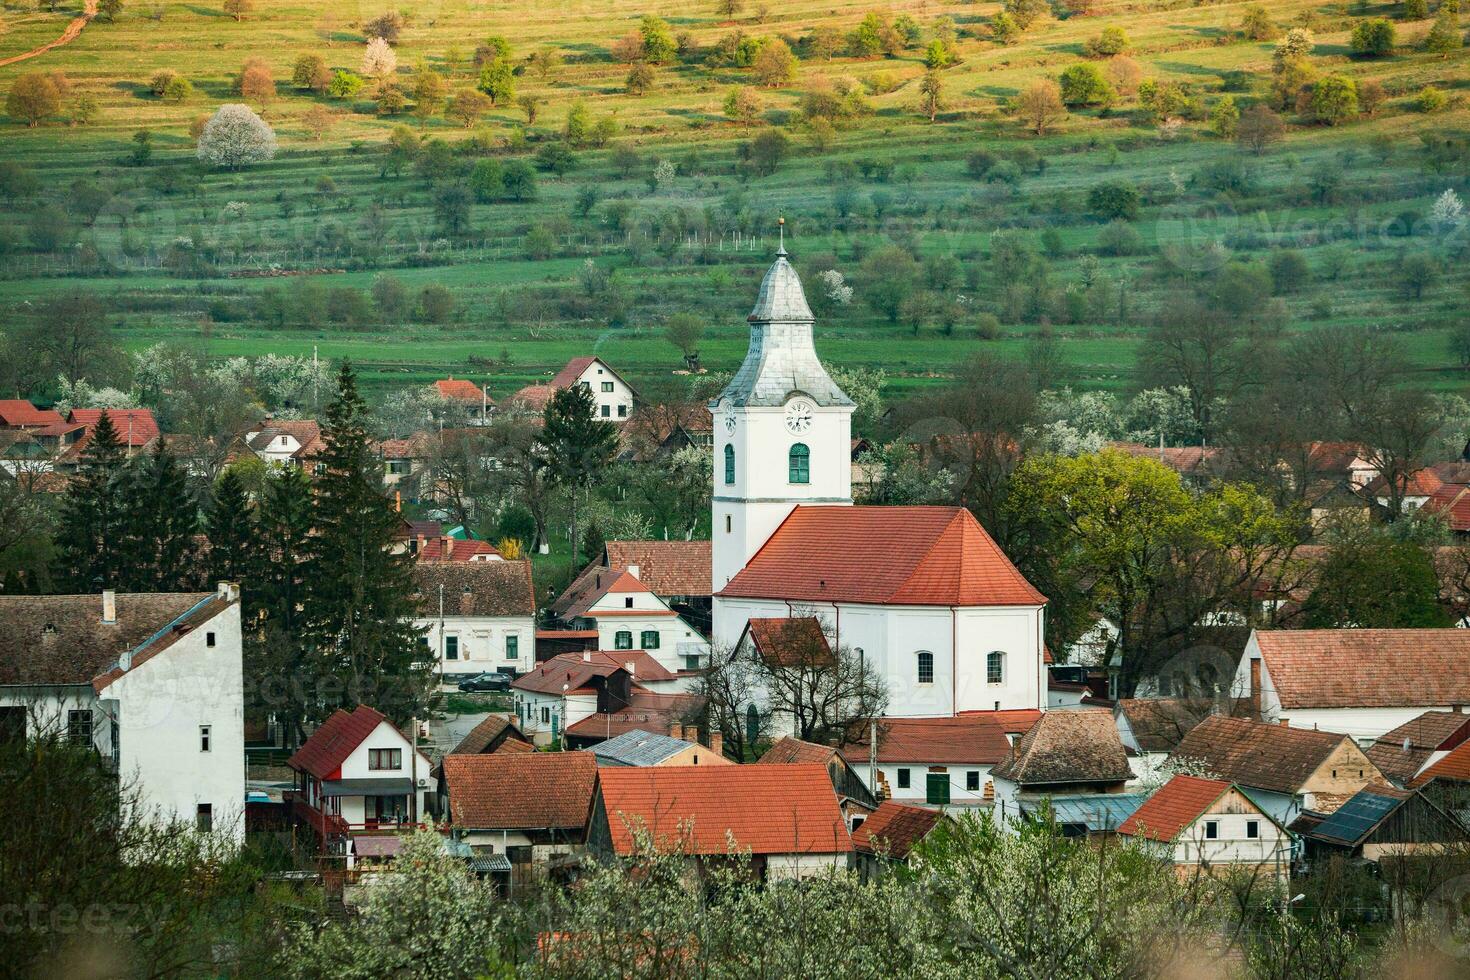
1177 804
789 809
1367 668
973 740
322 755
790 641
927 556
1012 721
626 582
460 389
17 412
786 750
520 790
533 396
1401 753
136 427
894 829
1452 502
452 549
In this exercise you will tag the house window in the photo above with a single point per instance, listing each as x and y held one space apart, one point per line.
799 464
204 817
729 465
936 787
204 733
607 386
972 781
1252 829
209 639
385 758
926 667
512 647
691 662
1212 830
628 602
903 779
607 411
995 667
13 725
79 726
622 411
623 640
451 648
727 523
650 639
545 716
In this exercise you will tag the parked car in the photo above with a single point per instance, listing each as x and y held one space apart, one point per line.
488 681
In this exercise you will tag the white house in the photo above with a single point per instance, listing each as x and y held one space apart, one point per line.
922 592
612 396
152 681
477 616
937 761
286 443
572 687
358 773
629 616
1362 682
1064 754
1211 824
529 806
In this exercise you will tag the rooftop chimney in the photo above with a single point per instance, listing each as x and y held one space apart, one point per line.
420 549
628 666
586 656
228 591
109 606
691 734
717 743
674 730
633 570
448 546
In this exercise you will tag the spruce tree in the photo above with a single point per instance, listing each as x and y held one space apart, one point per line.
576 446
361 604
160 547
92 514
282 671
231 530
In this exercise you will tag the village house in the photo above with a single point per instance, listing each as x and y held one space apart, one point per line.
532 807
17 413
613 397
629 616
1446 781
1403 753
677 572
655 432
853 795
641 748
785 817
152 682
1286 770
1151 728
1210 824
938 761
890 835
571 688
406 465
1363 682
1065 753
358 774
1378 822
286 443
477 616
645 710
467 398
495 733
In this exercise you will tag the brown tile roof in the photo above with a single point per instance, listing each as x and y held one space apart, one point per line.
307 433
894 829
1401 753
533 397
1184 460
19 413
930 556
1012 721
457 550
1158 724
790 642
973 740
460 389
1258 755
646 710
765 809
570 671
1173 808
329 746
668 568
1360 668
787 750
475 588
61 639
479 738
1070 746
520 790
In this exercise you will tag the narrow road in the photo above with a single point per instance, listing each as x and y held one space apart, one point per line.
89 10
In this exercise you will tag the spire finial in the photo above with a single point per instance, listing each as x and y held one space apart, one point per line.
781 224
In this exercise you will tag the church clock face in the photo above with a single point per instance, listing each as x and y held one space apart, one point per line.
799 416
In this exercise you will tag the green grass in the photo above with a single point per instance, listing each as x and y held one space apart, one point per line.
515 322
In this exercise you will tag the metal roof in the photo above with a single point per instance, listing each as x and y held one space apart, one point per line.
487 863
1354 820
387 786
638 748
1098 812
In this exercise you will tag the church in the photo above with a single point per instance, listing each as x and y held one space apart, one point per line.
922 593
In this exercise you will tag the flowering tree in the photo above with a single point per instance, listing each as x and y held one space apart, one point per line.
378 60
235 137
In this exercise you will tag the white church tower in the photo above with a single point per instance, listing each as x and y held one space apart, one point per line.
783 429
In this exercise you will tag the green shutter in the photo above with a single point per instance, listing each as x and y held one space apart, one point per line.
936 787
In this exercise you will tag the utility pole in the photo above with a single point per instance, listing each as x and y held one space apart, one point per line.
413 768
441 633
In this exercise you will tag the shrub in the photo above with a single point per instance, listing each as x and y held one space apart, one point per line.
159 82
1084 84
1431 99
1113 200
1112 40
436 303
1372 38
978 164
1333 99
1289 270
1119 238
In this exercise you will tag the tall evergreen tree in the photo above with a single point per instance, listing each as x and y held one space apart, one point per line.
576 446
92 514
361 605
282 671
159 538
231 529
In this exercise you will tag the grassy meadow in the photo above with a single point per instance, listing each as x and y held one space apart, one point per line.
699 241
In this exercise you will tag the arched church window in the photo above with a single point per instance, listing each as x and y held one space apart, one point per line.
729 464
926 667
995 667
800 464
752 723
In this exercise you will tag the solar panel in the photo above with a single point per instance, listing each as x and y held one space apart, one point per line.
1356 817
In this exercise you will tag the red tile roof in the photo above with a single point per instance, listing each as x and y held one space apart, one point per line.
18 413
572 373
568 672
460 389
765 809
520 790
894 828
452 549
646 710
1012 721
1177 804
1361 668
786 750
1452 502
322 755
790 642
626 582
973 740
927 556
135 427
1454 767
1401 753
667 568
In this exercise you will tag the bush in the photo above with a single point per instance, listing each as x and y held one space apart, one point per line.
1289 270
1112 40
1372 38
436 303
1084 84
1333 100
1113 200
1431 99
978 164
1119 238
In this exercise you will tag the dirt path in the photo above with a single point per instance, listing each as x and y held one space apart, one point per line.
89 10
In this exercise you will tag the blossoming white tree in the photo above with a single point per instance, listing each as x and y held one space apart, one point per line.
235 137
379 61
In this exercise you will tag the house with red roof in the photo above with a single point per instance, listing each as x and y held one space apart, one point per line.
784 817
1210 824
628 615
942 761
591 686
529 806
17 413
612 396
291 443
890 835
1361 682
358 774
468 398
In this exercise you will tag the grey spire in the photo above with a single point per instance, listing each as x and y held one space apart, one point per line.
781 361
